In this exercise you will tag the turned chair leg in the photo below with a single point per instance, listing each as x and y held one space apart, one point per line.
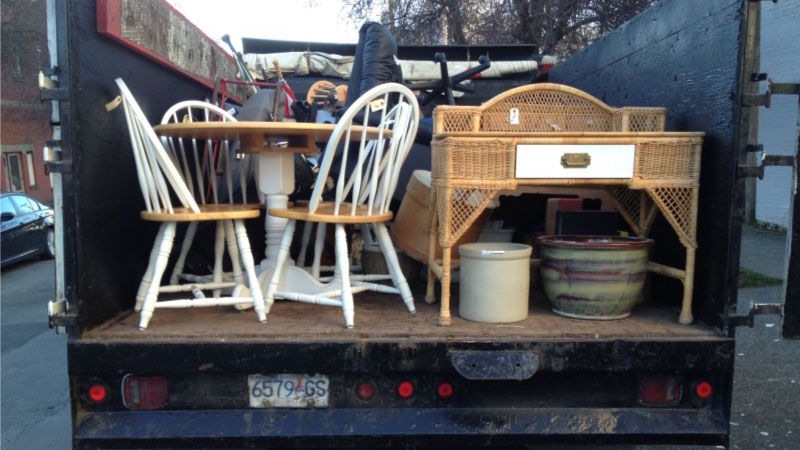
393 264
343 266
180 264
219 252
147 278
283 255
233 252
162 247
246 255
319 245
301 257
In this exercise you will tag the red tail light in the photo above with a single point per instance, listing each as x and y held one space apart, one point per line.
144 392
365 390
444 390
405 389
97 393
660 390
703 390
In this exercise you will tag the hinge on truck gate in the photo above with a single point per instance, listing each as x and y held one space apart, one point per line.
49 88
58 317
765 99
756 309
743 171
52 158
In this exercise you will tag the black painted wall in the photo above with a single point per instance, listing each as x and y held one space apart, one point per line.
106 241
683 55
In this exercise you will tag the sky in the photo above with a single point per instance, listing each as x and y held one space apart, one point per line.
288 20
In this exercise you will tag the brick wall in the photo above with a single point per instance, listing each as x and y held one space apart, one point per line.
24 119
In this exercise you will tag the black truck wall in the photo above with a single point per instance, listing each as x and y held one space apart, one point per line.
683 55
106 240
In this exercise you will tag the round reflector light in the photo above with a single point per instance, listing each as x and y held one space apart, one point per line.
444 390
98 393
365 390
405 389
704 390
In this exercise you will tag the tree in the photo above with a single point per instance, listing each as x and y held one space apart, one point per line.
558 27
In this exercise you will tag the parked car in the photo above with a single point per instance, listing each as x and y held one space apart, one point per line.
27 228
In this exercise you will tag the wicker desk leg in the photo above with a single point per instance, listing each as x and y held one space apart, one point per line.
686 231
688 286
444 311
433 237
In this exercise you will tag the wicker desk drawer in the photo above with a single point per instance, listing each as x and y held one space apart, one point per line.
574 161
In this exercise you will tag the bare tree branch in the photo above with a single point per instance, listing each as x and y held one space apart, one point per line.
558 27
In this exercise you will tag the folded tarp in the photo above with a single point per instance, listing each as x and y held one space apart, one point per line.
338 66
301 64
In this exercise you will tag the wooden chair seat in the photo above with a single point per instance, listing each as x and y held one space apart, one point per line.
218 211
325 213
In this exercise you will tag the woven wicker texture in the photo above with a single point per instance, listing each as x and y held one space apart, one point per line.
474 155
629 204
547 107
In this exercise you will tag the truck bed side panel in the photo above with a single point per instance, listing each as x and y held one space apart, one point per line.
109 241
683 55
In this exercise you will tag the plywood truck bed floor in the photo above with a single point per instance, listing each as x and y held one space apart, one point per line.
381 317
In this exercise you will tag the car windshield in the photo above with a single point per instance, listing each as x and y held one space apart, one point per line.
25 205
7 207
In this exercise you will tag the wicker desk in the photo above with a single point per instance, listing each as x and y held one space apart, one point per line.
470 169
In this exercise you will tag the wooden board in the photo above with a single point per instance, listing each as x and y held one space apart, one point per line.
381 317
155 29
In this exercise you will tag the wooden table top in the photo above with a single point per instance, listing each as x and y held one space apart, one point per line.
255 137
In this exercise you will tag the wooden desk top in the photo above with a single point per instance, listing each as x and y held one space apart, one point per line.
569 135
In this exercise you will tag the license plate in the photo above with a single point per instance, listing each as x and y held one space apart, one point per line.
288 391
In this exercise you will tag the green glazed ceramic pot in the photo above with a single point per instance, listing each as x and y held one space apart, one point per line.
593 277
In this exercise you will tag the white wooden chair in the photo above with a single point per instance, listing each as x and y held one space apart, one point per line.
157 169
200 162
362 194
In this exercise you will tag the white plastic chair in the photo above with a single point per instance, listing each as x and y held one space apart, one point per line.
362 194
200 162
157 169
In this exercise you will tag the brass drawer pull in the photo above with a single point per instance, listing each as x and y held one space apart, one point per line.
575 160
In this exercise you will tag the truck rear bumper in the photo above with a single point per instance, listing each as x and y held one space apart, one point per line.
387 427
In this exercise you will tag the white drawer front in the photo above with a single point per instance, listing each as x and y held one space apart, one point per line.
601 161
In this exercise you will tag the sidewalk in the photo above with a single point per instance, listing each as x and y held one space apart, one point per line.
764 251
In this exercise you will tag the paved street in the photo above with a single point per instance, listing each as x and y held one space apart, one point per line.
34 395
35 410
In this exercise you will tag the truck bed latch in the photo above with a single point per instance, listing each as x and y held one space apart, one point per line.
494 365
756 309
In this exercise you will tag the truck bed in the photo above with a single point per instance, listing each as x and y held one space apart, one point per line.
382 317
